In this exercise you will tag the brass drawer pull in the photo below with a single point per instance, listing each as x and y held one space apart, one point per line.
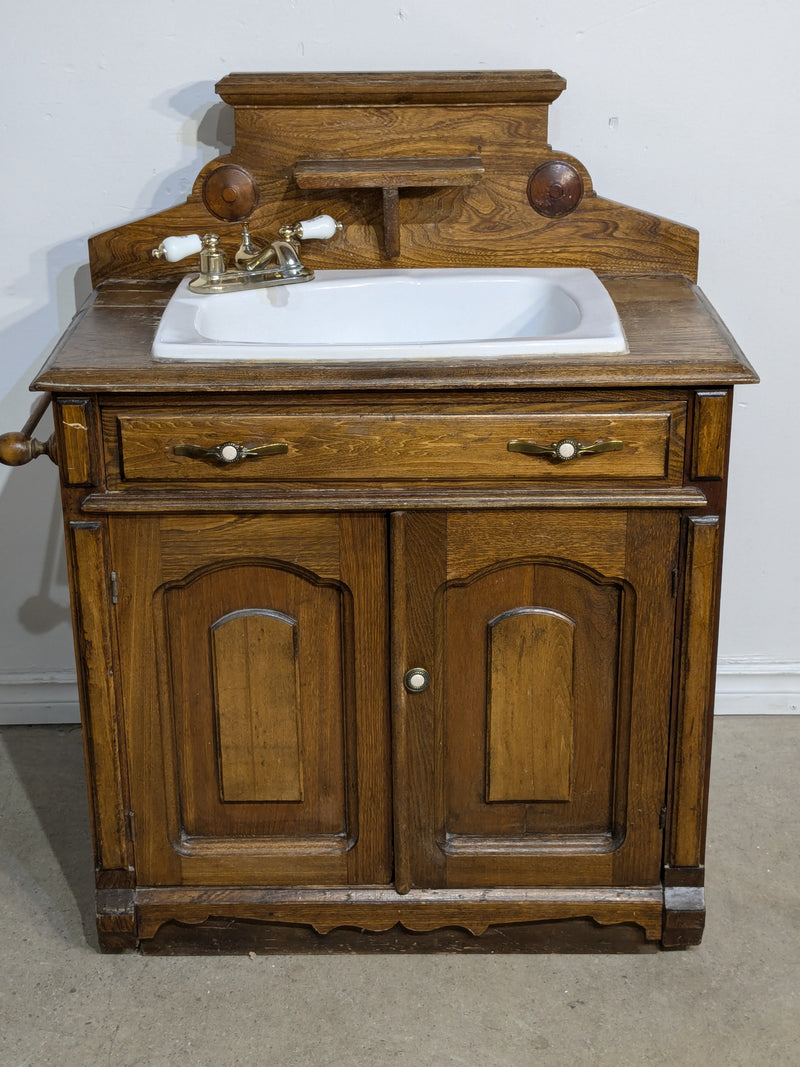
230 452
564 450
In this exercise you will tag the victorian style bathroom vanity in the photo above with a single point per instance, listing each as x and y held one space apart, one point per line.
379 647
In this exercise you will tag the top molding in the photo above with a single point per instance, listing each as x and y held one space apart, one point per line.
392 88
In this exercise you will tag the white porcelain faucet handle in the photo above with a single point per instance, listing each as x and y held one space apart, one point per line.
174 249
321 226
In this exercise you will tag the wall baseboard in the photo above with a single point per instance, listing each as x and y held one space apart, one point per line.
33 698
744 687
753 686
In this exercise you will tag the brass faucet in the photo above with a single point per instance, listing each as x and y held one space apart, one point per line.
277 263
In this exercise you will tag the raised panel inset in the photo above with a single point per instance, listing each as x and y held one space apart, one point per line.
257 654
530 706
257 706
534 760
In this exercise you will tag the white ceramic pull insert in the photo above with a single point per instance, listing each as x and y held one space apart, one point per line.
321 226
174 249
416 680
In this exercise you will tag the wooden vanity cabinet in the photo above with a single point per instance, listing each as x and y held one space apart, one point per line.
386 680
393 685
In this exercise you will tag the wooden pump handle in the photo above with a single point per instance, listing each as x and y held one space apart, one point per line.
18 447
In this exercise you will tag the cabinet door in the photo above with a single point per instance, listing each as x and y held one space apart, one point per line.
537 755
253 654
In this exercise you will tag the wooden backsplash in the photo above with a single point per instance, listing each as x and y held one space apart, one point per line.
497 121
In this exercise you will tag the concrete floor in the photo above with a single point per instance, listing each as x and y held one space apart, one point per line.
732 1001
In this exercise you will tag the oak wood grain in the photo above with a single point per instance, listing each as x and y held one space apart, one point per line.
195 610
385 172
479 542
419 910
391 87
381 447
74 416
528 839
91 577
530 706
257 706
711 432
695 691
645 668
304 141
498 562
418 550
364 571
194 826
253 754
673 340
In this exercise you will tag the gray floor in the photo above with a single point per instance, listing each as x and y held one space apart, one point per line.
733 1000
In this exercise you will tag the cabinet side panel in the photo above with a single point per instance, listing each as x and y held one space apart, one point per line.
711 429
696 691
94 647
257 706
530 706
75 417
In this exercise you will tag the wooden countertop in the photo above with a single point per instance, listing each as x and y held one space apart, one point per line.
674 336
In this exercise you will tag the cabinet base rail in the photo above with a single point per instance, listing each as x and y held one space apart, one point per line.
189 920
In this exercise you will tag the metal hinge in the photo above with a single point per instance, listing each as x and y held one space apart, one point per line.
130 817
114 588
662 818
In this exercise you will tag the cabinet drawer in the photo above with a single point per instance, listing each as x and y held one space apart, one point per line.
386 447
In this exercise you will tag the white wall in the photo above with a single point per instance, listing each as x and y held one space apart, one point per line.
687 108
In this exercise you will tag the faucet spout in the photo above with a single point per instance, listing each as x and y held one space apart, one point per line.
280 254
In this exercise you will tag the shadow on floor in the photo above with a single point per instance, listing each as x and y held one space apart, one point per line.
47 762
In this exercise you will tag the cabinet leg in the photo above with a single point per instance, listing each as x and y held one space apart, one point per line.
116 920
684 916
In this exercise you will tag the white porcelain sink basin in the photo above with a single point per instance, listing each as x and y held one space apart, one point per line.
397 315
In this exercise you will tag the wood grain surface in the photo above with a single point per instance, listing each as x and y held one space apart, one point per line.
329 143
257 766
